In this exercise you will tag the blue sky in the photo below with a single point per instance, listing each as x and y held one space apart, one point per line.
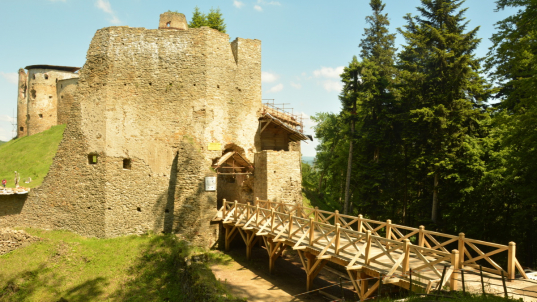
305 44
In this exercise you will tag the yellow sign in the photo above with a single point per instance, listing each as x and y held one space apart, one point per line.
214 147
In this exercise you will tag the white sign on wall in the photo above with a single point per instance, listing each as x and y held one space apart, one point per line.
210 183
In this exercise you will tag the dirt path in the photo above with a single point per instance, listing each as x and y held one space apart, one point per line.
251 279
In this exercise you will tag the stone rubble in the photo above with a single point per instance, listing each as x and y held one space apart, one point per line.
11 240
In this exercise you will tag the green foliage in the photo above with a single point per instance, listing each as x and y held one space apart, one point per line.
213 19
427 145
31 156
65 266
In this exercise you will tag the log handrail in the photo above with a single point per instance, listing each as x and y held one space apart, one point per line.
431 246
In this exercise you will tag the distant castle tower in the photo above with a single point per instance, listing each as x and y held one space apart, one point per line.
37 102
172 20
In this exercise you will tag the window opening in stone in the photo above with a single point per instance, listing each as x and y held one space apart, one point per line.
168 24
127 163
92 159
150 84
194 84
33 76
217 86
138 209
21 128
40 115
50 96
33 93
46 76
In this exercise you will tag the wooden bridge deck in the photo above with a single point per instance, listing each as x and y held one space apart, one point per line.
380 252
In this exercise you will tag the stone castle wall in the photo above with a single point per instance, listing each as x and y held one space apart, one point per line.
148 103
65 92
278 176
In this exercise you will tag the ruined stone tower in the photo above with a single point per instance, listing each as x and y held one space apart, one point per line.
155 117
37 102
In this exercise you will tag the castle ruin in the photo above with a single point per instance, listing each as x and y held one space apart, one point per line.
162 125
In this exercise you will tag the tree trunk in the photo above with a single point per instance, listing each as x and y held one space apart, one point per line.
349 170
434 214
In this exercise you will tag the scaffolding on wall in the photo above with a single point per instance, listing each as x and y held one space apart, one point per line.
286 115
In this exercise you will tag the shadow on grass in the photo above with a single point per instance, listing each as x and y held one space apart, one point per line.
159 273
24 286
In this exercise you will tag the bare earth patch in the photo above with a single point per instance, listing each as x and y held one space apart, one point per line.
250 279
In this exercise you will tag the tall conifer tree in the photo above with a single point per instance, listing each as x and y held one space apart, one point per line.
443 92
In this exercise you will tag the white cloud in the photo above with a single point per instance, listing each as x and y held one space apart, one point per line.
7 118
268 77
296 85
330 85
11 77
276 88
269 2
238 4
328 72
105 6
258 8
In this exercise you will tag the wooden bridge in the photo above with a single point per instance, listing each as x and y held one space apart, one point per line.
390 253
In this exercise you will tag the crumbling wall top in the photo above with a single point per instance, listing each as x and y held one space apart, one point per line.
172 20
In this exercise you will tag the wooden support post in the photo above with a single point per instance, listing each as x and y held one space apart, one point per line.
360 223
236 212
389 229
224 209
257 215
290 226
226 238
313 268
336 217
316 214
455 262
271 219
461 250
251 240
511 261
299 211
364 284
256 201
367 246
312 231
337 238
273 253
406 260
421 238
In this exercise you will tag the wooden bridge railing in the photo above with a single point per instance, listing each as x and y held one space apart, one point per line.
324 230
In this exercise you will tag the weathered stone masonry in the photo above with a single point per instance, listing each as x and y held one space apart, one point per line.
135 151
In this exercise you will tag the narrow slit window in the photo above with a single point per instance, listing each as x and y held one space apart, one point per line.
40 115
92 159
46 76
21 128
127 163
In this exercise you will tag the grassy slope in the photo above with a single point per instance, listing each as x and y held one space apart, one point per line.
2 142
31 156
130 268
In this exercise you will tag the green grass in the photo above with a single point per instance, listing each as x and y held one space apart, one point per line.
31 156
68 267
2 142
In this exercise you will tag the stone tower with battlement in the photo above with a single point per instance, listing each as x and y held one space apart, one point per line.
37 101
154 115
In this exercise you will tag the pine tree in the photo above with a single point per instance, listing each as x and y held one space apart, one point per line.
443 93
213 19
377 147
199 19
